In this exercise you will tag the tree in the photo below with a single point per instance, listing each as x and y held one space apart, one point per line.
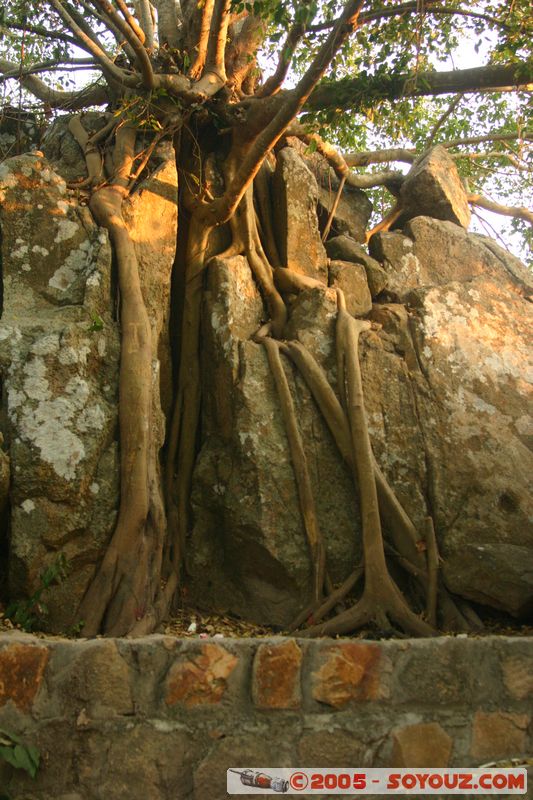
191 72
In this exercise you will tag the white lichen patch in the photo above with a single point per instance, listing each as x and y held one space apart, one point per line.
42 251
51 423
63 207
91 418
409 264
28 506
66 229
36 384
46 345
69 355
524 425
94 279
94 488
21 251
480 343
76 261
8 179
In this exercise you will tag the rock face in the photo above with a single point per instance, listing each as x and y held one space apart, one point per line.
59 355
248 548
445 374
433 188
444 381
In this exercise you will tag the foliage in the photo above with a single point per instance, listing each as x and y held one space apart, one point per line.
19 755
30 613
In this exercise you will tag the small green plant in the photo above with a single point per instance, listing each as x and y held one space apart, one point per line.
97 322
29 613
19 755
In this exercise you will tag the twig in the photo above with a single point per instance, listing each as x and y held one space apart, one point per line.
334 208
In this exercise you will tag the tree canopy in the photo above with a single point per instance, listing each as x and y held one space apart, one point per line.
370 85
367 77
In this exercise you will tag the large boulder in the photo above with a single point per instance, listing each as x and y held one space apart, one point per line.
444 377
248 553
353 209
473 342
344 248
20 131
430 252
433 188
351 279
59 355
295 192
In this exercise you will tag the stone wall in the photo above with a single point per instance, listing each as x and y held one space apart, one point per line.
161 717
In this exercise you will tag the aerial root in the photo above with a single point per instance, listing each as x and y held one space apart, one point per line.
381 602
301 471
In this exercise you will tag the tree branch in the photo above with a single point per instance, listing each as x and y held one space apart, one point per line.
91 46
218 33
144 12
273 84
406 8
221 209
119 37
167 23
132 22
429 9
354 93
132 38
366 157
519 212
442 119
39 30
48 66
409 155
197 65
68 101
341 165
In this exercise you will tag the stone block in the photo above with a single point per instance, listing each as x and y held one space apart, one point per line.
352 213
344 248
348 672
351 279
496 734
433 187
333 748
421 745
276 675
445 672
200 679
518 676
21 673
245 749
95 684
295 200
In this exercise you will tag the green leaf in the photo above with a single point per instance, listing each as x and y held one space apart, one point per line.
24 761
8 754
98 322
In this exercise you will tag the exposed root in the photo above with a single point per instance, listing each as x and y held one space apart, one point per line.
301 472
126 585
433 572
382 602
314 613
